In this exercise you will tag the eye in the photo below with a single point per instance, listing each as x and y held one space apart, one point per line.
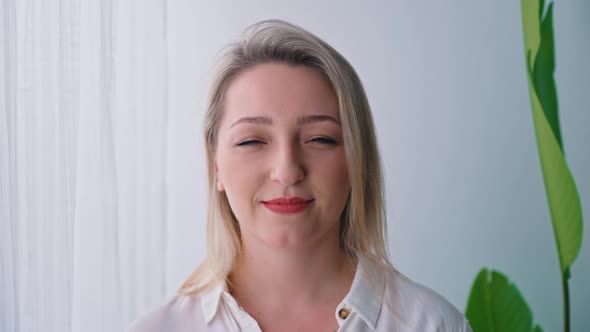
251 142
323 140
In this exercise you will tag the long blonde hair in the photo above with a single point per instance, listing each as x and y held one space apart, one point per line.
363 222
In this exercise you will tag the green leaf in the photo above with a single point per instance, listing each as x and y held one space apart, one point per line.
531 24
562 193
495 304
541 6
544 82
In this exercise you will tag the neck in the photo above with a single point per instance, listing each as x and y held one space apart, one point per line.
319 274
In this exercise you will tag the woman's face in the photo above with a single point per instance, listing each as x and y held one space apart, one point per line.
280 138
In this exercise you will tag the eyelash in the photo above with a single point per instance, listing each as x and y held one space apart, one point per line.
248 143
323 140
317 140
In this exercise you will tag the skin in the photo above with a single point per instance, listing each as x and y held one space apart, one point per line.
280 136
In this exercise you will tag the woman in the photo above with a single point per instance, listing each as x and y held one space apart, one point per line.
296 233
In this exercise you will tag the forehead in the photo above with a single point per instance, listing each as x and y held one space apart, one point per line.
280 90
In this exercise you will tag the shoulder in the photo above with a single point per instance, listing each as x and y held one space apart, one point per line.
177 314
418 307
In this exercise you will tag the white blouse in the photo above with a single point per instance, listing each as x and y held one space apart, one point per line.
379 300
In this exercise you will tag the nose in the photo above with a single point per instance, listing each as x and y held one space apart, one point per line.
287 165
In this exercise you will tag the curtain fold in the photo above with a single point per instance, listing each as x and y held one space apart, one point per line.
9 301
83 151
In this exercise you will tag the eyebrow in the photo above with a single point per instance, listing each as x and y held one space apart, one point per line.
300 121
254 120
316 118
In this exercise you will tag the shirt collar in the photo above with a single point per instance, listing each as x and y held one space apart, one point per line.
210 301
366 293
365 296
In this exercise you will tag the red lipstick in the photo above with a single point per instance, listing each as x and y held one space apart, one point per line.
287 205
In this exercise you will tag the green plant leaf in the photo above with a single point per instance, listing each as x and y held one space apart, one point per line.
543 70
531 23
562 194
496 305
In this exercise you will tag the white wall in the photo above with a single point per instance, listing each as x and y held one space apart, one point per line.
447 85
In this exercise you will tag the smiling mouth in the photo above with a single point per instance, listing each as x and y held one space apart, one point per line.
285 205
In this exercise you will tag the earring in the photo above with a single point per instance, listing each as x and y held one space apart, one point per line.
219 186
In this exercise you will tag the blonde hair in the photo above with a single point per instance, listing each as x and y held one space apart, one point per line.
363 223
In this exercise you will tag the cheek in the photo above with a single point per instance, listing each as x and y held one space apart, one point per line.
240 178
335 169
331 178
236 166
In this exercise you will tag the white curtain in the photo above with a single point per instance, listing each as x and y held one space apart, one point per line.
83 145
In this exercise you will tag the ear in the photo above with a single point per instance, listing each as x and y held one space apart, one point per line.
219 184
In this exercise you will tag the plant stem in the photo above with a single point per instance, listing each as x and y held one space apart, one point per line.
566 303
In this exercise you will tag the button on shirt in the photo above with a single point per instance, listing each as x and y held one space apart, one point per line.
380 300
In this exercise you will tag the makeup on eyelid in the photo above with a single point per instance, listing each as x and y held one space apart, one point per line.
317 140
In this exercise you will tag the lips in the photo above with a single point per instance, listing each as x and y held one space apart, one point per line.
287 205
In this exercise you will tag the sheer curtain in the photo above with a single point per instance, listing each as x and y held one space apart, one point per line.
83 146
